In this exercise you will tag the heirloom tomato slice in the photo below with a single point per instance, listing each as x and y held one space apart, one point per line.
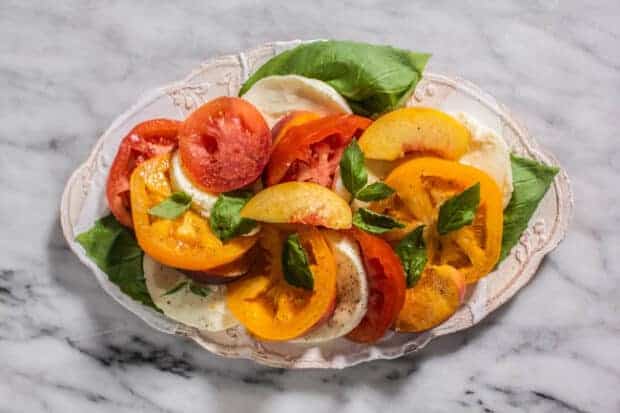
146 140
311 151
224 144
185 242
271 308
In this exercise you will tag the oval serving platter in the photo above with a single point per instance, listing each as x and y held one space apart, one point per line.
83 202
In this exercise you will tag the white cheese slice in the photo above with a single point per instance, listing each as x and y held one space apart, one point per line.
205 313
276 96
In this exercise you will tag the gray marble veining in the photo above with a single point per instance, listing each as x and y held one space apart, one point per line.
67 68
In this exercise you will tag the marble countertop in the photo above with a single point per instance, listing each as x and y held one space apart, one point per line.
67 70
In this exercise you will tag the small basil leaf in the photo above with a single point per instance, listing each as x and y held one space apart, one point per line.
459 210
530 180
374 192
172 207
115 251
295 264
352 169
373 222
176 288
412 253
201 290
225 220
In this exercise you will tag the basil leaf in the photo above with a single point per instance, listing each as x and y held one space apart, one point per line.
295 264
225 220
372 78
115 251
172 207
412 253
458 211
352 169
200 290
374 192
176 288
373 222
530 180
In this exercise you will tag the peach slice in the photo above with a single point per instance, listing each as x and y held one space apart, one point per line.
299 203
421 130
437 296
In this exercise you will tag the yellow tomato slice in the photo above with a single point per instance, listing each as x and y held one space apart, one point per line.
186 242
272 309
422 185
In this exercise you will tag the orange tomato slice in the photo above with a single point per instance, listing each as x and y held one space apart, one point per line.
422 185
186 242
272 309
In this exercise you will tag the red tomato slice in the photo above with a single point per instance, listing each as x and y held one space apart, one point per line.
146 140
386 280
224 144
311 152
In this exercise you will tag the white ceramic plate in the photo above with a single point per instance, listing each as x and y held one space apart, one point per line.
83 202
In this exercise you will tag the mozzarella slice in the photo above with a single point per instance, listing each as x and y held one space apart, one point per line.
276 96
205 313
488 152
202 201
351 294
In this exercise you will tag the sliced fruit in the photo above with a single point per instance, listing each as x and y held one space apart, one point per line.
146 140
299 203
437 296
186 242
277 96
171 292
489 152
310 152
351 290
422 185
224 144
415 130
272 309
386 281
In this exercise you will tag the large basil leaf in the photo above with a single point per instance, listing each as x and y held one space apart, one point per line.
530 180
372 78
115 250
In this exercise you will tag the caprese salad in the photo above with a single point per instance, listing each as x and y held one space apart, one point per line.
315 205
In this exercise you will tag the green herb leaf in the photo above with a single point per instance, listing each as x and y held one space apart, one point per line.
295 264
372 78
530 180
374 192
373 222
459 210
225 220
352 169
200 290
115 251
176 288
172 207
412 253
